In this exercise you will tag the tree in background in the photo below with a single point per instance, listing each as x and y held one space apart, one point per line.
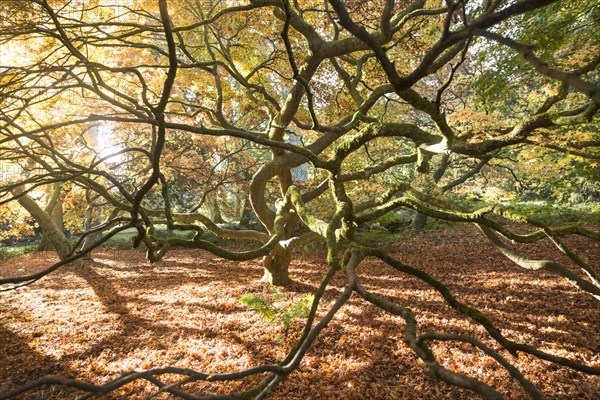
392 104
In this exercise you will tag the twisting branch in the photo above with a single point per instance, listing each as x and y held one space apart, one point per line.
410 335
418 202
159 112
512 370
477 315
536 265
220 74
292 60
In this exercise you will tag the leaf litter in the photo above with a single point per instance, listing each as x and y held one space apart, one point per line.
96 321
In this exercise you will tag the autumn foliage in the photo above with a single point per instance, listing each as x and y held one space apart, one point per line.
311 143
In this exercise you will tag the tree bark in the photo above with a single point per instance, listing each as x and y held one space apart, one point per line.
57 216
53 231
214 212
419 221
276 266
87 225
247 216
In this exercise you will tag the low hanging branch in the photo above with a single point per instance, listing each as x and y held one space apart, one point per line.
181 83
481 218
536 265
476 315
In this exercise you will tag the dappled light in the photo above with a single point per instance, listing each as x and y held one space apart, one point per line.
110 318
339 199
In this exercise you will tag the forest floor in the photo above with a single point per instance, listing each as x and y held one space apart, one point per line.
96 321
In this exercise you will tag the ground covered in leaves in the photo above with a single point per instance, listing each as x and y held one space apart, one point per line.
97 321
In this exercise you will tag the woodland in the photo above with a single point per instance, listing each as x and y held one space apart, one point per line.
291 199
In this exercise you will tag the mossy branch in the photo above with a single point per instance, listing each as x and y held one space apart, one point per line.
475 314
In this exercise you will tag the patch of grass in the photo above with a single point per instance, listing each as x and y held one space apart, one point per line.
161 232
552 213
124 240
545 211
119 242
16 251
381 236
316 247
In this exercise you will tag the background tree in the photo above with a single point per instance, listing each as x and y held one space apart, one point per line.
389 102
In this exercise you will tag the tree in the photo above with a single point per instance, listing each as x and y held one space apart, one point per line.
386 97
49 219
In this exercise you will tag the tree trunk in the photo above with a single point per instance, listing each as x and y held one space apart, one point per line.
90 223
51 229
419 221
276 266
248 218
239 204
214 212
57 216
87 225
